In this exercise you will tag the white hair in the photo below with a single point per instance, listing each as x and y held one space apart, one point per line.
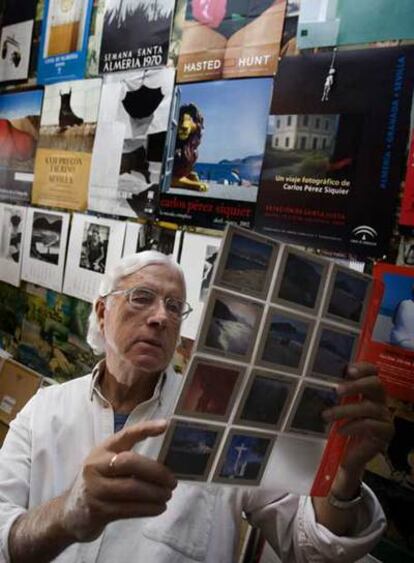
126 266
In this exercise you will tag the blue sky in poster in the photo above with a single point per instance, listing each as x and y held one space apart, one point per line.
22 104
397 288
235 116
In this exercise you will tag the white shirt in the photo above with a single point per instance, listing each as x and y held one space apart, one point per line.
402 333
60 425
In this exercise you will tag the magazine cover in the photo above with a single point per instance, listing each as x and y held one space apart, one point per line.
136 34
279 327
228 39
12 227
16 39
19 134
388 337
44 247
64 41
130 142
95 244
212 171
335 149
324 23
67 132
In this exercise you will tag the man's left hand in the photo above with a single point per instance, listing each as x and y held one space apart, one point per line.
368 422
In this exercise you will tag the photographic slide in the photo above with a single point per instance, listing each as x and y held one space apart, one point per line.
95 244
232 39
44 249
19 134
307 413
395 321
12 227
214 182
64 40
334 349
136 34
265 400
244 458
130 141
285 341
210 389
329 23
46 237
197 259
300 281
67 132
248 263
16 39
94 247
189 449
347 296
230 326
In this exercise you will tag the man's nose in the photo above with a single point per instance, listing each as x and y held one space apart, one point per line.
158 314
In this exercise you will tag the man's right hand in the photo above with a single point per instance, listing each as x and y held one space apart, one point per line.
132 486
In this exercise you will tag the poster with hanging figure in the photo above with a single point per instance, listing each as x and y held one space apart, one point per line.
67 132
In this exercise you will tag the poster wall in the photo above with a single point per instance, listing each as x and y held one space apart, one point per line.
12 228
44 250
332 168
64 40
227 39
130 141
67 132
19 133
136 34
16 39
95 244
324 23
216 163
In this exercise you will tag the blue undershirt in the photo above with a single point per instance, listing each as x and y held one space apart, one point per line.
119 421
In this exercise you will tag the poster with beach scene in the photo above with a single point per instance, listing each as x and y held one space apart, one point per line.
19 134
212 182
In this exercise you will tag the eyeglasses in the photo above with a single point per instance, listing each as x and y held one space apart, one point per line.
142 298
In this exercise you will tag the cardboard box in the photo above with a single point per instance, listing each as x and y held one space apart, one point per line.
18 384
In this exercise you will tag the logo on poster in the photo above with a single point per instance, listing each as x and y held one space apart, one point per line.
364 234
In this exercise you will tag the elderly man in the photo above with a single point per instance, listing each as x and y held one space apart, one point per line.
72 489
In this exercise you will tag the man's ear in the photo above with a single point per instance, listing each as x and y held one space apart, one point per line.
100 311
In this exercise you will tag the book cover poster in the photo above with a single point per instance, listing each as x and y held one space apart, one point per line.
95 244
216 152
130 141
16 39
388 336
44 248
229 39
95 38
19 133
67 132
64 42
12 227
332 169
324 23
136 34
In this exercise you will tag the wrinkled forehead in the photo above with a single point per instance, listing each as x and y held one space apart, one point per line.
161 277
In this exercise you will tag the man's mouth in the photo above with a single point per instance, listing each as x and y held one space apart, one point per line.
151 342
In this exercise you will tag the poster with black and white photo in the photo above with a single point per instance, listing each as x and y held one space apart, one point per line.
95 244
12 227
284 352
44 248
336 148
136 34
16 39
129 142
